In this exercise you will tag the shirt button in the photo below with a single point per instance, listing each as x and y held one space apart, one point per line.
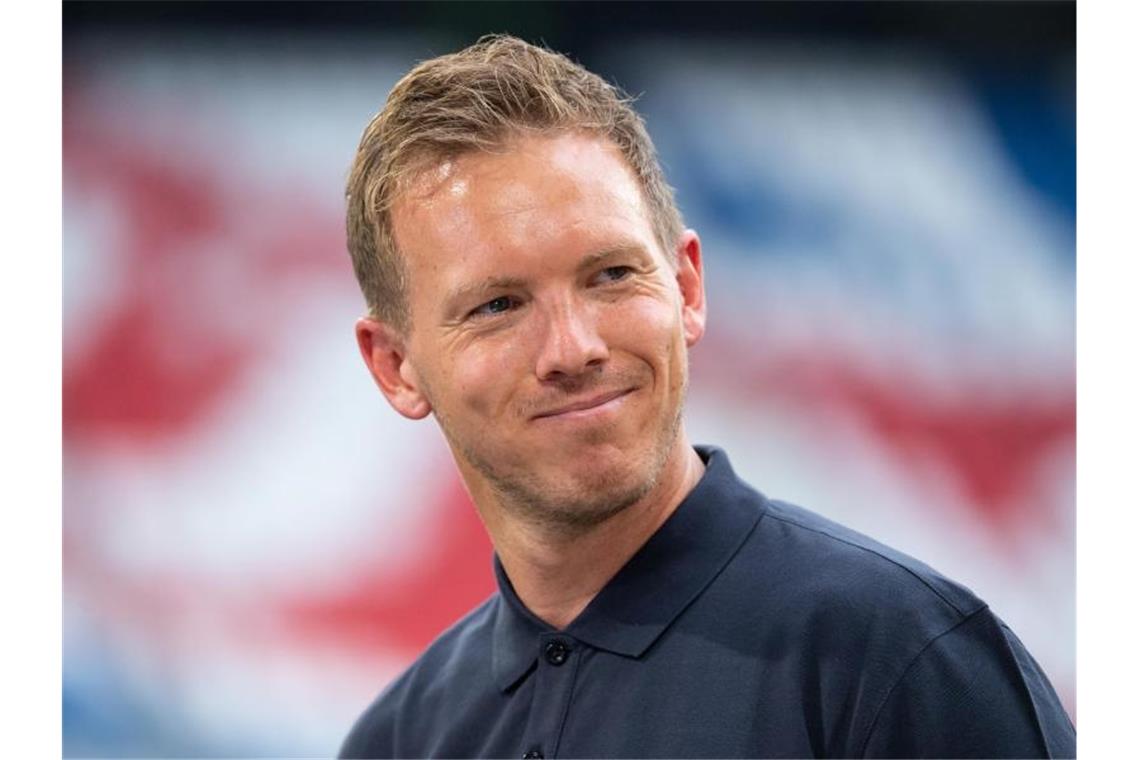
533 754
556 652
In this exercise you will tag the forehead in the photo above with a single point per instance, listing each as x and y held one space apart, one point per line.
571 157
537 194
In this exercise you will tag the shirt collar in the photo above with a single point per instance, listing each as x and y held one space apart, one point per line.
653 588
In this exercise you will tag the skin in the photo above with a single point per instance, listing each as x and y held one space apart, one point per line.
549 337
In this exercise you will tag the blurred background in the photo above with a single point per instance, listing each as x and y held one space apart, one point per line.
255 544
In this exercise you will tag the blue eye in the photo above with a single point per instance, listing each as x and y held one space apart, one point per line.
613 274
499 305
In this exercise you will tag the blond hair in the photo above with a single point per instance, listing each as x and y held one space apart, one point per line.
477 99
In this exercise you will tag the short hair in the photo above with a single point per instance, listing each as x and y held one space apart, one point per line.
476 100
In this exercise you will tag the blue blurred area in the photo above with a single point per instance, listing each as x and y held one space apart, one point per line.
101 713
112 708
1035 116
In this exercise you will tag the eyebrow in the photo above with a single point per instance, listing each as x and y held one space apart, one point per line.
600 257
464 294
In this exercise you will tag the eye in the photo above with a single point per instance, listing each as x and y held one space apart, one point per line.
499 305
615 274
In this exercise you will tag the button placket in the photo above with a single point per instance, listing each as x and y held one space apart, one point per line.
553 687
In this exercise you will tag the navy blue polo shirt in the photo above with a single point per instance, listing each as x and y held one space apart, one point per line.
744 627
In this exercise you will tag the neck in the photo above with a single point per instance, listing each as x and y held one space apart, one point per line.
556 575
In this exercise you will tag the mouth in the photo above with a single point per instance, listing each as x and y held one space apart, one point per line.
587 407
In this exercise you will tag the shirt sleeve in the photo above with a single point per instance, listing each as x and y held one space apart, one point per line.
974 691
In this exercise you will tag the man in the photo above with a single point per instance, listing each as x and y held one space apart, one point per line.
530 283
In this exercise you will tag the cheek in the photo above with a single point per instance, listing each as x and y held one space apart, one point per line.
482 378
651 327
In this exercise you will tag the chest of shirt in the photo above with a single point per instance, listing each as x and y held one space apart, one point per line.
685 697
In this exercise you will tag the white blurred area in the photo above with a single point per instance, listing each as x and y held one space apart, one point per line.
254 543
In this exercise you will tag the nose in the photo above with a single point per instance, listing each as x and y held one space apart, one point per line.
571 344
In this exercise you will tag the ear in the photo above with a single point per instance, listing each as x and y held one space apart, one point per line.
691 281
384 351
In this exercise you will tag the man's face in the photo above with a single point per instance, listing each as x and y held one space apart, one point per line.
549 330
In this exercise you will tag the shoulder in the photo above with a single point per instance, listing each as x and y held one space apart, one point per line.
842 560
973 691
935 670
829 602
454 657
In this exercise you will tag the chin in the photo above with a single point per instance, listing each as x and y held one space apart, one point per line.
578 495
590 500
573 483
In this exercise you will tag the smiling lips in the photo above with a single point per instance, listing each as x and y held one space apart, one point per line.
585 407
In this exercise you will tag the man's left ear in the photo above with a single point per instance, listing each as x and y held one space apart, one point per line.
691 281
